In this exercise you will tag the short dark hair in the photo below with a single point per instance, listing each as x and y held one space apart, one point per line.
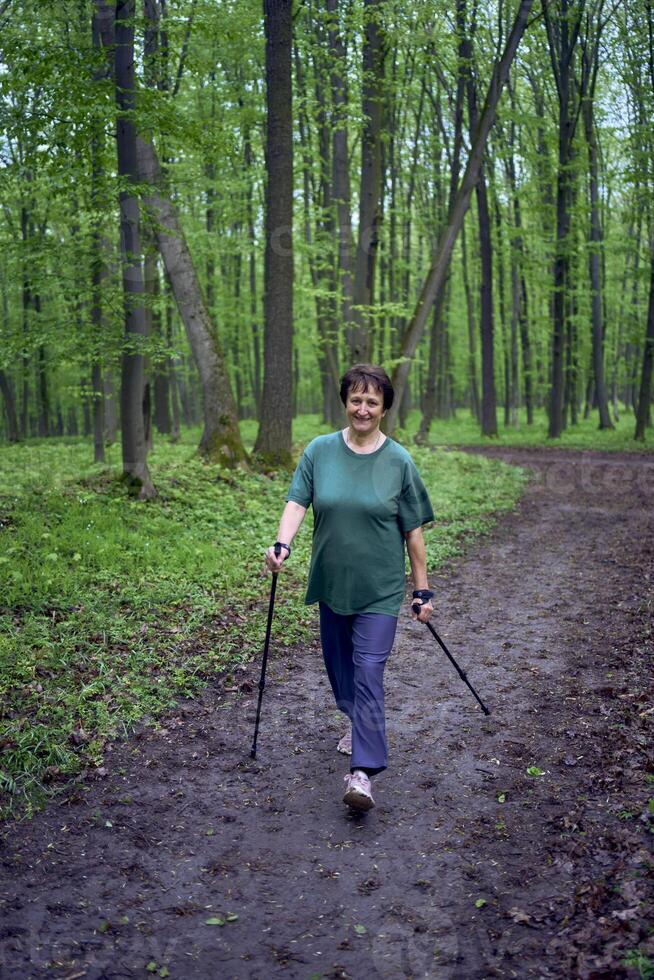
364 376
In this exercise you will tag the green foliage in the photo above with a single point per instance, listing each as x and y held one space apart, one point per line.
639 960
463 430
206 116
111 609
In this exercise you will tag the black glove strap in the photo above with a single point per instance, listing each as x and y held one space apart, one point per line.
425 594
280 544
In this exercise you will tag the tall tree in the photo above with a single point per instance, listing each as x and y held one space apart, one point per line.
134 449
221 438
437 274
373 93
643 411
590 42
274 437
102 37
563 23
488 399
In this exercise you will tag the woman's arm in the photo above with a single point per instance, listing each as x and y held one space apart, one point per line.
415 545
292 517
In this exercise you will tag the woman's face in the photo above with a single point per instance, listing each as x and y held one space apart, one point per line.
364 409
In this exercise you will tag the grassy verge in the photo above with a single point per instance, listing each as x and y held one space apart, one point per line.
463 430
111 609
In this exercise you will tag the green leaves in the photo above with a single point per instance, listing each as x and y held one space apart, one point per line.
220 920
161 971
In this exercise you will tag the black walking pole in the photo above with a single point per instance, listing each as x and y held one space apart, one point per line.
461 673
262 679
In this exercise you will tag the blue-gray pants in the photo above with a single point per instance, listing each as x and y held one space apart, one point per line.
356 649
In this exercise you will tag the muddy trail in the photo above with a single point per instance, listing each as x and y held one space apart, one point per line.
188 859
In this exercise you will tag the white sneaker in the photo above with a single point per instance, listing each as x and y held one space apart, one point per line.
358 791
345 744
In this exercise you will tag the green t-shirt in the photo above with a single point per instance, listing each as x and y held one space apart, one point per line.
362 505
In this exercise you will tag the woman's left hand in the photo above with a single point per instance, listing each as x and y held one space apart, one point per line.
426 609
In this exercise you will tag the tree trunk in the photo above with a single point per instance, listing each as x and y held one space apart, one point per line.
43 390
519 318
221 438
102 29
7 390
430 401
274 437
321 260
435 279
340 189
134 451
473 387
645 394
563 34
486 321
26 296
359 340
110 410
596 247
252 272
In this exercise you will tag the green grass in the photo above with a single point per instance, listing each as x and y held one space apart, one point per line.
464 430
111 609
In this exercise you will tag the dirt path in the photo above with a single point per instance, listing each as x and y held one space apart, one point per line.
550 615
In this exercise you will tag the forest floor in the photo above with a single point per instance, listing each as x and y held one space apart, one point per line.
517 845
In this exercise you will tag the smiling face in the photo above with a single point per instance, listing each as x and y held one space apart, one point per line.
364 409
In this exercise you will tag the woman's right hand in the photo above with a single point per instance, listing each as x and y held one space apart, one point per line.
273 562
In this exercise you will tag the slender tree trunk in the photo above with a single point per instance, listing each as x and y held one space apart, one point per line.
435 279
102 33
171 366
323 267
645 395
274 438
252 274
359 340
473 387
596 246
430 401
488 401
7 390
110 409
135 468
26 297
43 390
340 184
563 34
221 438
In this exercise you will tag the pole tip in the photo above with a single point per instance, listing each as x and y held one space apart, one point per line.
253 753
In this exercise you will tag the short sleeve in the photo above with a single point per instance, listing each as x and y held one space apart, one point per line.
415 506
301 488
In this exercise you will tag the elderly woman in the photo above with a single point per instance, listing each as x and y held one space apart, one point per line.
367 500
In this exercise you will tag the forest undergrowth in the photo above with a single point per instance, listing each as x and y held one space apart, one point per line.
111 609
